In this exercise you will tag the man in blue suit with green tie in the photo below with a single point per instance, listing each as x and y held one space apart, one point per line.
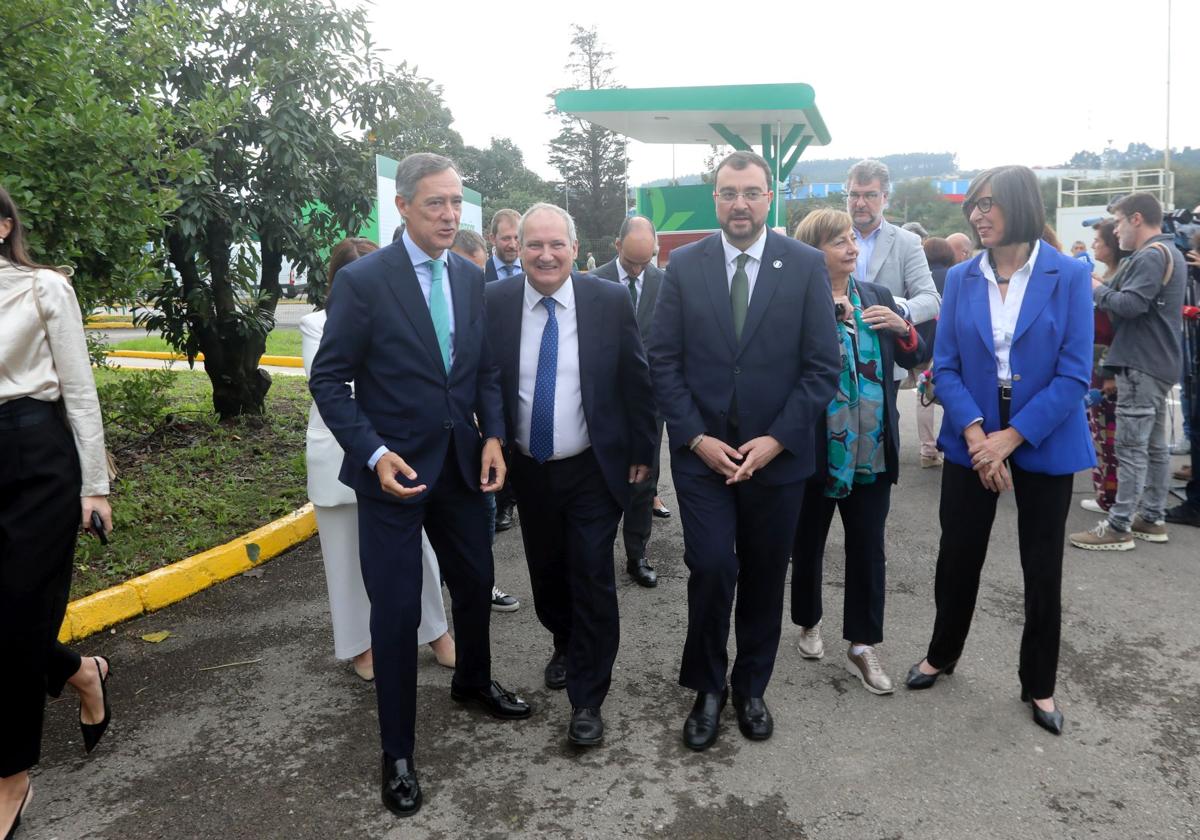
423 429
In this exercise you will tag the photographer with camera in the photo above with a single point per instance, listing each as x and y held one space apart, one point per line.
1188 512
1145 308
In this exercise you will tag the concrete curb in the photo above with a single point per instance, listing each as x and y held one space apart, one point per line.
108 325
155 590
278 361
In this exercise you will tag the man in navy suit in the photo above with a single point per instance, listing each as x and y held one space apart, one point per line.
577 396
422 429
504 262
744 357
634 269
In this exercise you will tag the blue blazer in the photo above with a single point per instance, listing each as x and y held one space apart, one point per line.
1051 362
613 375
784 369
379 335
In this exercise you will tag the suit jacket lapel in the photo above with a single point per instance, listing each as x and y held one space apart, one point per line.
765 284
509 329
407 290
717 282
976 288
1038 290
883 244
650 284
460 292
587 324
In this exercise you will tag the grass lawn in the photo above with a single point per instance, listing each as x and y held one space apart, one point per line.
196 483
279 343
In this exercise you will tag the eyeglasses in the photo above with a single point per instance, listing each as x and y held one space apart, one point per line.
867 196
730 196
983 205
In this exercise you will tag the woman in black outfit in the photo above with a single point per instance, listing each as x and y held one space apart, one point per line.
53 477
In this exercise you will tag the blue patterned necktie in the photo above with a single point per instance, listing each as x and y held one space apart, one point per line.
541 421
440 312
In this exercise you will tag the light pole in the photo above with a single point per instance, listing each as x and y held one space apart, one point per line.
566 196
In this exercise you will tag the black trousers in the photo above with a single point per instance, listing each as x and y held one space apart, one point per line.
736 538
639 513
455 516
967 512
569 524
39 521
864 514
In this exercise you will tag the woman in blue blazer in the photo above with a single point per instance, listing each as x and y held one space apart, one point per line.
1012 364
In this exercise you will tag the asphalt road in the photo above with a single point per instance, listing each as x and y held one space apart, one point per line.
277 740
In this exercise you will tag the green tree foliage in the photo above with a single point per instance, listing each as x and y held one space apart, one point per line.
292 171
591 159
500 175
88 155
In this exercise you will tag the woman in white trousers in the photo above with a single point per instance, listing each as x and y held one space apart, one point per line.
337 522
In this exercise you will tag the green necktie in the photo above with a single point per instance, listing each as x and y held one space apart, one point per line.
633 290
440 311
739 295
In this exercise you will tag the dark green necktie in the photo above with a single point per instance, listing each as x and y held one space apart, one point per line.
633 290
739 295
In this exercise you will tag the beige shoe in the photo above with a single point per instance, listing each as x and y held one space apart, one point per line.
1184 473
809 644
1103 538
929 461
1149 531
365 670
866 667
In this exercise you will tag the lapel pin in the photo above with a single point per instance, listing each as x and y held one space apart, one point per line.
777 264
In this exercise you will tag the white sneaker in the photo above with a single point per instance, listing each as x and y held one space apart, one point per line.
810 644
1092 505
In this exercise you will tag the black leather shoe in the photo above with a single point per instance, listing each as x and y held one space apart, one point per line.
662 512
917 680
93 732
505 518
1050 721
401 790
586 728
754 718
556 671
494 700
700 728
642 573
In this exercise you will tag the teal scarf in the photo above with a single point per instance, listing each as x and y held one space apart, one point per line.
854 418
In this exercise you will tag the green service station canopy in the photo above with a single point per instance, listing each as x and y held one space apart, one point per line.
782 118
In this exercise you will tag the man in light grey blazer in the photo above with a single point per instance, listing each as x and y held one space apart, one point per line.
887 254
633 267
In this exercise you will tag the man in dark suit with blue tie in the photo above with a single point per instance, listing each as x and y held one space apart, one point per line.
422 429
634 269
577 396
744 358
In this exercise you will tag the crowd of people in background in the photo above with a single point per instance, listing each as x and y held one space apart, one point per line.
465 384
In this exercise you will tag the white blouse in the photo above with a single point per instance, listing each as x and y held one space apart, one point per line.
51 362
1005 311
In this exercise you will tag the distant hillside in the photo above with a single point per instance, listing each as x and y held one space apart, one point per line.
903 167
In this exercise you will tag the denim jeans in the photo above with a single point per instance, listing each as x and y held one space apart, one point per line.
1143 461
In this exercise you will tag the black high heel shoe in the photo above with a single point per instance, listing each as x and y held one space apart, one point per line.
93 732
1050 721
12 832
918 679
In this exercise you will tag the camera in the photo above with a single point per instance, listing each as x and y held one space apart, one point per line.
840 311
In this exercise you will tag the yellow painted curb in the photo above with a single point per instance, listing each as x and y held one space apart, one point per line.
161 587
278 361
108 325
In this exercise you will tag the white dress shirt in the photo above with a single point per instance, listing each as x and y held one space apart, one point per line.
1006 311
755 253
570 426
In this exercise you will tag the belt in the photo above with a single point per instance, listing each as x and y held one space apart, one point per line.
26 411
1005 391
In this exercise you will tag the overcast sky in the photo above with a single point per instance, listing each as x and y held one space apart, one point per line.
1022 81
